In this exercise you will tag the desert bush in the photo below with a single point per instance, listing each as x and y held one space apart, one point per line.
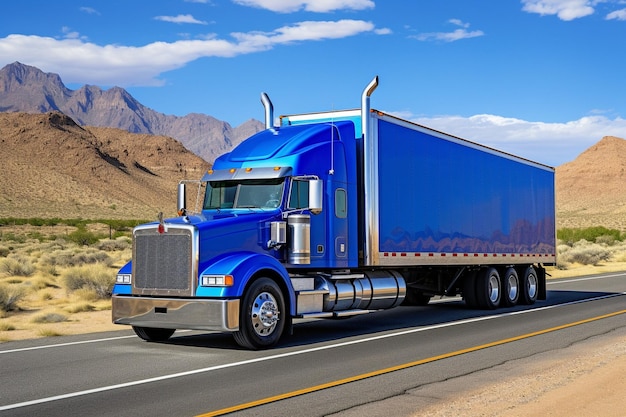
9 297
4 251
16 266
111 245
585 253
83 237
98 278
72 257
49 318
590 234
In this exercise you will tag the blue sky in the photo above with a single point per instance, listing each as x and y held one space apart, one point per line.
543 79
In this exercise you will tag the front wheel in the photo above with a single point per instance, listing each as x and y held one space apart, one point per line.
262 318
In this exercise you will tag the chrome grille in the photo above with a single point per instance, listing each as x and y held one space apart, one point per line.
163 263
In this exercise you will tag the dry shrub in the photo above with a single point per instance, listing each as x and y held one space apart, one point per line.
49 318
108 245
9 297
73 257
98 278
584 252
16 266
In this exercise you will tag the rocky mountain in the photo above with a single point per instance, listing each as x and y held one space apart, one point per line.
27 89
591 190
52 167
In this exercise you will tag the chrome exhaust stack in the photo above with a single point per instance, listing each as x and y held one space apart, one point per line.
269 111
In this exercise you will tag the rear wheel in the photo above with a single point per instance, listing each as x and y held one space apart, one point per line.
262 321
488 288
153 334
529 286
510 284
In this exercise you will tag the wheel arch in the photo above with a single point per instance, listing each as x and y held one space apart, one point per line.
246 267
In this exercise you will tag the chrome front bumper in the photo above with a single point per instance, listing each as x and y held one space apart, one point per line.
176 313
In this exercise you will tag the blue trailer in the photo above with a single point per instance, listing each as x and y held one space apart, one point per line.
336 214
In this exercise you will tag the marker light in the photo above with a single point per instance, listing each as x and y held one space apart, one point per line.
123 279
217 280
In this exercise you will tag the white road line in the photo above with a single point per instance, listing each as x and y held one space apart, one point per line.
288 354
587 278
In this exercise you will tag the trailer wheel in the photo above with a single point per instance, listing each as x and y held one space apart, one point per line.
511 290
529 286
151 334
488 288
260 321
469 290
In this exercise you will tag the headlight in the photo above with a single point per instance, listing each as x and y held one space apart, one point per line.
216 280
123 279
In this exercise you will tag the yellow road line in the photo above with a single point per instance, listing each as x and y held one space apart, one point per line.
355 378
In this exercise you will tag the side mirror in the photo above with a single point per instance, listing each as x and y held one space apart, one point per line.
316 196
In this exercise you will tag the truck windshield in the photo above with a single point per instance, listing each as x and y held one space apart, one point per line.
265 194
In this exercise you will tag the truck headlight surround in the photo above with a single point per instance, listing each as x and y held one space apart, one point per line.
123 279
217 280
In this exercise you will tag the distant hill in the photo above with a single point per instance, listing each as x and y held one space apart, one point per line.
51 167
27 89
591 190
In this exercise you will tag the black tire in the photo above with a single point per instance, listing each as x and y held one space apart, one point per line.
262 318
529 286
510 287
151 334
488 288
469 290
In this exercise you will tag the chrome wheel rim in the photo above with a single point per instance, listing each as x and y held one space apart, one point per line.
264 314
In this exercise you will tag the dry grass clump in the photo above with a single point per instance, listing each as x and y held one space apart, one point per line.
10 296
16 265
49 318
98 278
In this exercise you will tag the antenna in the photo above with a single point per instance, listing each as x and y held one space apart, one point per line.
332 144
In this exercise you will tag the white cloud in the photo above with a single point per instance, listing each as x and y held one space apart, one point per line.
83 62
455 35
564 9
548 143
181 18
617 14
89 10
319 6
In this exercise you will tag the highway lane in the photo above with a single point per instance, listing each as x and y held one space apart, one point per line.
118 374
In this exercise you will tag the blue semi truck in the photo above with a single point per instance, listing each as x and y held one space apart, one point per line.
335 214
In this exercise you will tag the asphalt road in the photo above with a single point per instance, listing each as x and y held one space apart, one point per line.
328 367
